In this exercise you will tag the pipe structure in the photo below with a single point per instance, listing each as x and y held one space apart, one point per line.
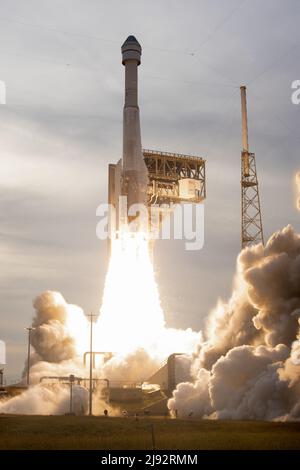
61 378
96 353
29 329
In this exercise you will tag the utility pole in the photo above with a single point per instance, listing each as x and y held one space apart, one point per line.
251 220
71 381
91 316
29 329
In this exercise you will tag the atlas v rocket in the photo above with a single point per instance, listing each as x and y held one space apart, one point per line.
129 177
135 173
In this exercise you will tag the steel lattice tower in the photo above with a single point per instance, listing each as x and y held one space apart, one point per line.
251 220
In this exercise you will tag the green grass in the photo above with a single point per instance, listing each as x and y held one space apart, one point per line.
72 432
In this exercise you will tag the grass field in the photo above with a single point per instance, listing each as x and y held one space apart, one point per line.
71 432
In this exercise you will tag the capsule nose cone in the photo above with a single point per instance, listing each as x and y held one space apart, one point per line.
131 50
131 39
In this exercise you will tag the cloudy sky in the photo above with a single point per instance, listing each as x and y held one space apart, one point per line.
62 125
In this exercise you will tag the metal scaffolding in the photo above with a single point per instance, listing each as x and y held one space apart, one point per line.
166 170
251 220
252 230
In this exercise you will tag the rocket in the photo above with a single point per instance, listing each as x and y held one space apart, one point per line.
134 170
128 179
141 181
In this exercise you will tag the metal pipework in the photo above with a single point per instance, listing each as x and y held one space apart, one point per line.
62 378
94 354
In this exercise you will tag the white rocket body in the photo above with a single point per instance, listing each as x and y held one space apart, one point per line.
135 173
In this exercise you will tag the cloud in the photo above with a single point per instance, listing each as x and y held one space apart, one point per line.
248 366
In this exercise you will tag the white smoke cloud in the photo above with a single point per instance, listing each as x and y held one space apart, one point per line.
59 339
55 325
136 366
47 400
248 367
54 353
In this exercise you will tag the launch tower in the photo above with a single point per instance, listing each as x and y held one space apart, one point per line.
251 220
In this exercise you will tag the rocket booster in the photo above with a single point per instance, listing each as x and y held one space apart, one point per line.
135 173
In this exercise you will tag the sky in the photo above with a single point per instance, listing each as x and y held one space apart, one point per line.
62 124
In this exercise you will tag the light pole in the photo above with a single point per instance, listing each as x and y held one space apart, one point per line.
71 381
91 365
29 329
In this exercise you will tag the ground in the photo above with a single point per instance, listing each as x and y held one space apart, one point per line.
72 432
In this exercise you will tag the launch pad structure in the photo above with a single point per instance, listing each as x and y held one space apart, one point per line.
172 178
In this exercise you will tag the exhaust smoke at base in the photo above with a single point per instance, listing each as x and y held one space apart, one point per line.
248 367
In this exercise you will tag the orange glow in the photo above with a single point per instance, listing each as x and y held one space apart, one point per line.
131 316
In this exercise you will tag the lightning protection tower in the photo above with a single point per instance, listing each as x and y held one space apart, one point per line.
251 220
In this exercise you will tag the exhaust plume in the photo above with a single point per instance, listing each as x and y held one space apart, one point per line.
248 366
131 330
245 366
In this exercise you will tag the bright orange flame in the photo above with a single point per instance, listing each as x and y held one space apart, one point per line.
78 327
131 315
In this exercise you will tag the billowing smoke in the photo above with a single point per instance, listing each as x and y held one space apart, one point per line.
136 366
59 339
248 366
54 353
56 325
245 366
50 338
47 400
